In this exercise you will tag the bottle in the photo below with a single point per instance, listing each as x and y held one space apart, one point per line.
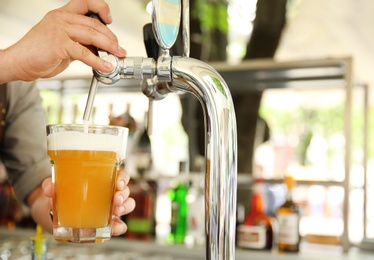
141 222
257 230
129 120
10 208
179 208
143 150
125 119
288 216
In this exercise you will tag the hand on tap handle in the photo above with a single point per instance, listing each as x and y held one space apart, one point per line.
62 36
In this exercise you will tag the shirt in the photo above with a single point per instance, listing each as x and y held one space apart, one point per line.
23 149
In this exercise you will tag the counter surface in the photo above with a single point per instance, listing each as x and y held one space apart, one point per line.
16 244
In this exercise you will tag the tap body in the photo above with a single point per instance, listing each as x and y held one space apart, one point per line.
176 74
207 85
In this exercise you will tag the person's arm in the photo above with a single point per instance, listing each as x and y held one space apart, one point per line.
61 37
24 148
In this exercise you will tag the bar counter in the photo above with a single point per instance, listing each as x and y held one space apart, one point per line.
15 244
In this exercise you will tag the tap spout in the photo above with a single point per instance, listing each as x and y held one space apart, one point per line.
208 86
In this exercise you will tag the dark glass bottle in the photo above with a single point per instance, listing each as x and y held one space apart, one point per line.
257 230
288 216
141 222
125 119
143 151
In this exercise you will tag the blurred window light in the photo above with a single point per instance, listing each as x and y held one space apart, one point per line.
241 14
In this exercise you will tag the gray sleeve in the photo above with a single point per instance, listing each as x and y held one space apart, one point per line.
24 150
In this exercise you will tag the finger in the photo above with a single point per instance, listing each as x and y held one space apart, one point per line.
121 196
96 6
118 227
47 186
101 8
91 23
78 52
87 35
127 207
122 180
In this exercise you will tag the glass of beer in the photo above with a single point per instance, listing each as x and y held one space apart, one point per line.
85 161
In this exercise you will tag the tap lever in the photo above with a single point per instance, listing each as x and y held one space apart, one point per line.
186 27
151 45
91 14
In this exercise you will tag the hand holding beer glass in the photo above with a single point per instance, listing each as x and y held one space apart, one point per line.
85 161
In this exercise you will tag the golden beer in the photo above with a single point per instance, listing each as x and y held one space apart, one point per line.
84 185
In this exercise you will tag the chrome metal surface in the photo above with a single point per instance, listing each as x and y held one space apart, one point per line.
208 86
203 81
164 67
90 99
186 27
108 77
137 68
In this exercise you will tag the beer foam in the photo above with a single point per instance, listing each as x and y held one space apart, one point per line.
71 140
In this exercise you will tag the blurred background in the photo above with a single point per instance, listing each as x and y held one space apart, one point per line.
281 131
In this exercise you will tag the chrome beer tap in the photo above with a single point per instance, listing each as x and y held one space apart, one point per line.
169 74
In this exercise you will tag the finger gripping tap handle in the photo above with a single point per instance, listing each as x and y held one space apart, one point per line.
95 15
91 14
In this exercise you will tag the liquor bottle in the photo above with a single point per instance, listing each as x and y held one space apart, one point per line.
288 216
125 119
129 120
143 150
141 222
179 207
10 208
257 230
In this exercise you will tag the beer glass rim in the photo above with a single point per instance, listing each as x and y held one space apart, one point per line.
81 127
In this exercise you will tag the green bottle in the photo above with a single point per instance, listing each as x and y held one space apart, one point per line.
179 208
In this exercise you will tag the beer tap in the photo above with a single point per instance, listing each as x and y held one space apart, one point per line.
166 74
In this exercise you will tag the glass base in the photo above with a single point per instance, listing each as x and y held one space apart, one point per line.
82 235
